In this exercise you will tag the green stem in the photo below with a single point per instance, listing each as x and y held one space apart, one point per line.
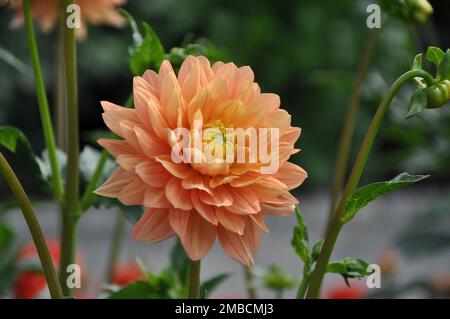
117 239
35 230
71 200
43 104
349 124
358 168
303 286
194 279
88 195
60 93
250 282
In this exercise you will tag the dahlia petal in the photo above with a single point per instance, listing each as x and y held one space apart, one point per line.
258 219
159 124
291 175
268 101
129 161
206 211
181 170
291 135
235 246
245 202
247 179
152 78
216 181
129 135
232 222
115 183
196 234
133 193
219 197
279 118
152 173
191 85
153 226
115 147
252 236
114 114
197 181
156 198
277 210
150 145
177 195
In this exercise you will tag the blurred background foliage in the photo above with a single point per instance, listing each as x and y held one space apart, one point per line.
306 51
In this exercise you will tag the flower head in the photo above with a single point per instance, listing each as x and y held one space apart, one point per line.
47 13
194 186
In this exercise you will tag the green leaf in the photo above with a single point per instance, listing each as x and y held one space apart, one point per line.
15 141
363 196
417 63
147 51
316 250
435 55
211 284
6 238
300 239
135 290
349 268
418 103
444 67
10 137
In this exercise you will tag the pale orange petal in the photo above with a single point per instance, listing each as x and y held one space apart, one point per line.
153 226
235 246
196 234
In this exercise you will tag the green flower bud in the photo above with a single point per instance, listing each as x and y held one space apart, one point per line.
437 95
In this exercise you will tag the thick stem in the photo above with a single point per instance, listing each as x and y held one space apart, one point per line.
250 282
116 245
349 123
71 200
194 279
43 104
358 168
34 227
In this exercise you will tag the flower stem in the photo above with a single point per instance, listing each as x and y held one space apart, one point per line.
349 124
358 168
115 246
71 200
194 279
88 195
60 93
34 227
250 282
49 136
303 287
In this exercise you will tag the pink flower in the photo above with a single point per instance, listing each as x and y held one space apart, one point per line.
47 13
200 201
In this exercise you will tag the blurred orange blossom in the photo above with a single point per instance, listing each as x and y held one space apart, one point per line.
199 202
46 13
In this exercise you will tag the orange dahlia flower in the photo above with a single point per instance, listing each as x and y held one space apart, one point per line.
200 201
46 13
